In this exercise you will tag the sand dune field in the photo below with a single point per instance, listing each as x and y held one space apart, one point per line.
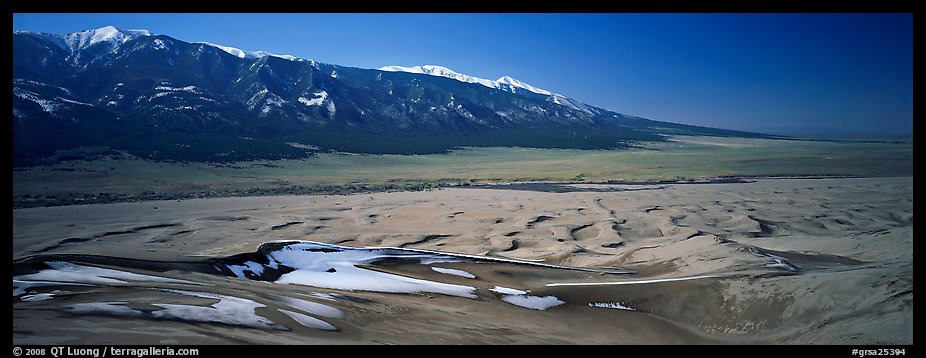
794 261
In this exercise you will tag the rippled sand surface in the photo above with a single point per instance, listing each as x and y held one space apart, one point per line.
821 261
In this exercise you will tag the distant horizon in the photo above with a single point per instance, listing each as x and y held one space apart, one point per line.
848 73
830 133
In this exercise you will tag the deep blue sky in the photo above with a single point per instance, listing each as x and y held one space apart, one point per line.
735 71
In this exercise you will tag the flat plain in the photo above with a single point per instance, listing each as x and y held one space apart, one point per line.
683 158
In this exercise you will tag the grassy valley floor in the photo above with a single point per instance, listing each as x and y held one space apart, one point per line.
684 158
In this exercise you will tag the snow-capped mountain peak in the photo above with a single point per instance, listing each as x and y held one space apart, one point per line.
441 71
113 37
244 54
105 34
505 83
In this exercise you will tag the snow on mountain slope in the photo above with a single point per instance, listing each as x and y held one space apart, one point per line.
573 104
505 83
170 94
244 54
114 37
513 83
107 34
441 71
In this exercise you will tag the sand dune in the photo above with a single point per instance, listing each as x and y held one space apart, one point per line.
820 261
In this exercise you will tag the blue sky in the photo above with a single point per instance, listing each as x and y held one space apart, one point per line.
735 71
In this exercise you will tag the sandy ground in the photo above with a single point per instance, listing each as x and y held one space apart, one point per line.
805 261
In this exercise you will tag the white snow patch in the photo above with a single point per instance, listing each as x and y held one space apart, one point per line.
336 269
311 307
308 321
47 106
613 305
71 272
62 99
256 97
251 266
533 302
174 89
20 286
262 54
275 100
301 146
320 97
229 310
507 291
231 50
159 45
37 297
454 272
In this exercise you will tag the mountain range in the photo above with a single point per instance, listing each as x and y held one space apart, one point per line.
161 98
